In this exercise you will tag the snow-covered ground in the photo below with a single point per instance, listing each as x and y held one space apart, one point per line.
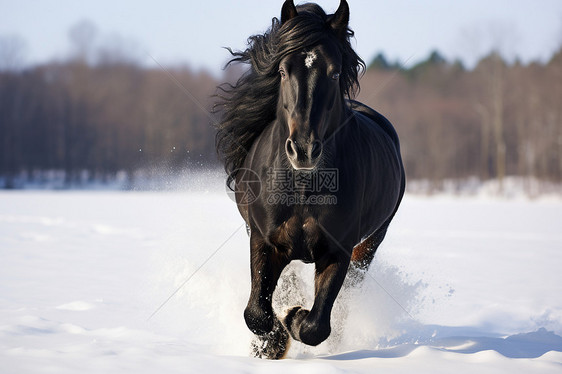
460 285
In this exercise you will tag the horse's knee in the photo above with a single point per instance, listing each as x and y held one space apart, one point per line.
306 329
258 320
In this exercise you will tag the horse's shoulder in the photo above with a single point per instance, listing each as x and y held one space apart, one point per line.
369 116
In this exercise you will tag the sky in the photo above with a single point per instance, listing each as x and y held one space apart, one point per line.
175 32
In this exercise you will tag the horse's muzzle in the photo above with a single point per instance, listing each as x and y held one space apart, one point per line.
303 155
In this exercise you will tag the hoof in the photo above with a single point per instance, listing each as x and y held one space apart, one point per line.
259 322
273 345
302 329
293 321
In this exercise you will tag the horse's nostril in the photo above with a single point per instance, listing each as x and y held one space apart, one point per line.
290 148
316 149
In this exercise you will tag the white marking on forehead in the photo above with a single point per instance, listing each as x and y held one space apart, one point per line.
309 60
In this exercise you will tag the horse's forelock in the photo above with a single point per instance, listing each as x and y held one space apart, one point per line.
309 28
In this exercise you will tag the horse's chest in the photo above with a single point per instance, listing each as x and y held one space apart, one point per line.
297 236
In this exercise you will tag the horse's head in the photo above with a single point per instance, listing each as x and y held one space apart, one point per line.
311 93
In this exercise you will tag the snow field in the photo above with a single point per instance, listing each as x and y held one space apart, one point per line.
82 272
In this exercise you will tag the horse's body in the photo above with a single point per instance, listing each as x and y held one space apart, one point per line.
311 134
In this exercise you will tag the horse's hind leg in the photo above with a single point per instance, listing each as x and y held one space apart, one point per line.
362 256
266 266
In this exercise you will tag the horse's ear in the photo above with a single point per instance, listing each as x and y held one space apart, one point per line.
288 11
340 19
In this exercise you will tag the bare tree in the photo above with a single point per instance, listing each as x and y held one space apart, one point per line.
82 36
12 51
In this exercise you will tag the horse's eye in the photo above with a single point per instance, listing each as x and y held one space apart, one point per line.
282 73
335 76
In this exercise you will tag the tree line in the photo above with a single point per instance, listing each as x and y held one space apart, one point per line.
490 121
495 120
103 119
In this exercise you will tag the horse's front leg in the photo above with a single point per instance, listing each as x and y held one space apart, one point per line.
313 327
266 265
271 340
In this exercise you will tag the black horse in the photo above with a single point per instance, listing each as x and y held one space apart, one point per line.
318 177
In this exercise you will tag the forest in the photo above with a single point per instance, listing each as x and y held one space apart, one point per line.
91 121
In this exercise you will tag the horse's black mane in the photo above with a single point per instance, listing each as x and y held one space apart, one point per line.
250 105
